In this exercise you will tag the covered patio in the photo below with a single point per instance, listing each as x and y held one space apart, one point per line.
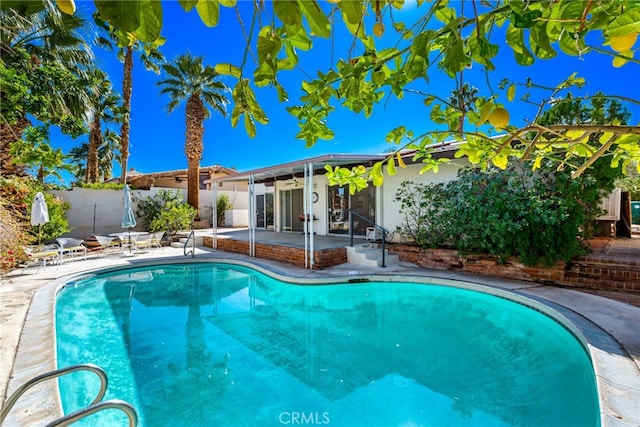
287 247
293 215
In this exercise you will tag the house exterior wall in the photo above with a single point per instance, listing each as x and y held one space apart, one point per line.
320 211
388 210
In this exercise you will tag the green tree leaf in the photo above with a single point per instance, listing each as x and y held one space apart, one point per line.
209 12
352 14
150 21
249 126
540 44
628 22
515 38
316 18
228 70
187 5
511 92
120 14
376 174
288 12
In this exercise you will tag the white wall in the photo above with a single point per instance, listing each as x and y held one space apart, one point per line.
389 215
107 205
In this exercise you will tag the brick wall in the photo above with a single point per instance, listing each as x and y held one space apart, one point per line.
290 255
594 271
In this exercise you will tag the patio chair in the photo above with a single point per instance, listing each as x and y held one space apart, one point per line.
42 255
143 242
155 239
106 243
129 241
71 247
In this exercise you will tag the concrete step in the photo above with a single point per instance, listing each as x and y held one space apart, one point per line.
182 240
369 254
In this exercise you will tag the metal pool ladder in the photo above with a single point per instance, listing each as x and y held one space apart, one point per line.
96 406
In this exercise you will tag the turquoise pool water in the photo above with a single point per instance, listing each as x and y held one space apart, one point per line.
222 345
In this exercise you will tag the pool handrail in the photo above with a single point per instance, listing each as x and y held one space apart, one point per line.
125 407
95 406
104 382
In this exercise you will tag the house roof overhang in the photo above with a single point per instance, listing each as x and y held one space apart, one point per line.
296 169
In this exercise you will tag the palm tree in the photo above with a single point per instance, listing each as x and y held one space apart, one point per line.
107 153
105 107
189 79
51 39
150 57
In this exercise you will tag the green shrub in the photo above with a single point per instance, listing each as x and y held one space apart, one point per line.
150 208
101 185
174 217
19 193
16 198
223 203
539 216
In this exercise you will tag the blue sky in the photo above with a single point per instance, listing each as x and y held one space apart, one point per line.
157 139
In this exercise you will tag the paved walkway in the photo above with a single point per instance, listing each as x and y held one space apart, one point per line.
618 320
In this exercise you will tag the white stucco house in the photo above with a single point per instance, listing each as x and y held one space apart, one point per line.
282 196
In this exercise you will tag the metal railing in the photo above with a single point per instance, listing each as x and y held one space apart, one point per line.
121 405
95 406
191 237
375 226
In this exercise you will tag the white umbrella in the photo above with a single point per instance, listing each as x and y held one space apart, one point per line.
128 218
39 213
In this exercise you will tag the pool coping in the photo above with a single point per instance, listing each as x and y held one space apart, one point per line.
596 321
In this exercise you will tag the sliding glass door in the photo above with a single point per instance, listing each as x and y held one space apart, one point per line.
291 208
363 203
264 211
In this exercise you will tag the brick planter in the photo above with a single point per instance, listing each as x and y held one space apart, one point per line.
591 271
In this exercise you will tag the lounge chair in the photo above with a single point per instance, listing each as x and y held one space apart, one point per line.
42 255
71 247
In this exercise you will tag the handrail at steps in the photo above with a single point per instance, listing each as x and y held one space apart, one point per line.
107 404
55 374
191 237
384 231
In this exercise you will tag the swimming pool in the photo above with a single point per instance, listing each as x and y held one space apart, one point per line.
214 344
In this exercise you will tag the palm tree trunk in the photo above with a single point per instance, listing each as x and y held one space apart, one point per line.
94 145
193 148
127 83
8 135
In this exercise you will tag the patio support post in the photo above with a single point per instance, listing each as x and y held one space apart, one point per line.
311 222
305 213
214 219
252 213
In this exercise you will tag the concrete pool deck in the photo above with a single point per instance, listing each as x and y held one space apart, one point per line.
27 345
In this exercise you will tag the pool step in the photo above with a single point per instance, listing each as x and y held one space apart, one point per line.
370 254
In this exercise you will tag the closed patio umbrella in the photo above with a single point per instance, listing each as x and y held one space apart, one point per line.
128 218
39 213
